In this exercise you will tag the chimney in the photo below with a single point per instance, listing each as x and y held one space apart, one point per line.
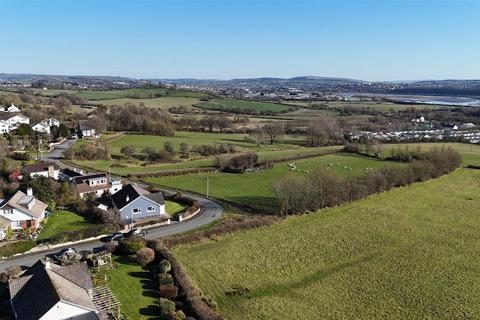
51 171
29 192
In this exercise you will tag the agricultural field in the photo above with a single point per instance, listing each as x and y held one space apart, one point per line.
256 189
125 167
160 103
221 104
469 152
138 93
61 221
409 253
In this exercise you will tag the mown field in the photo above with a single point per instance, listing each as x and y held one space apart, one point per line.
159 103
410 253
256 189
243 105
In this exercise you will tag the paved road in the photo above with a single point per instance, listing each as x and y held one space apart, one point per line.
210 212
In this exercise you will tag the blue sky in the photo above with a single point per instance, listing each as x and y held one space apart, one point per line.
363 39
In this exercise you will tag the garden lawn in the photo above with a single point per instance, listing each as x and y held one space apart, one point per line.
132 285
243 105
410 253
61 221
173 208
256 189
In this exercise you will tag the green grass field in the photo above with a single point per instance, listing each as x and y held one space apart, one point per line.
243 105
134 289
410 253
159 103
137 93
173 208
60 221
135 166
256 189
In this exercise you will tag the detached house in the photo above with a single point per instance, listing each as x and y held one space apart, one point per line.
46 169
85 130
48 291
20 212
95 184
4 127
42 127
136 203
10 122
12 108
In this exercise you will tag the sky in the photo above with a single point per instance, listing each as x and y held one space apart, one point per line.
223 39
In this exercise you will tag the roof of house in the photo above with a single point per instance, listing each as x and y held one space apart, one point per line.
43 124
83 187
41 287
84 125
20 201
39 167
129 193
71 173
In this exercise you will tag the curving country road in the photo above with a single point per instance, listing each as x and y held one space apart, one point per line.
210 211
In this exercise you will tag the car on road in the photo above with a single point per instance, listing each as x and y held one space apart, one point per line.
136 232
118 236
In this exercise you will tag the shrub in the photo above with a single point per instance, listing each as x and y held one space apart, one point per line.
165 278
10 249
13 271
164 266
168 291
92 231
110 247
132 245
3 277
168 312
145 256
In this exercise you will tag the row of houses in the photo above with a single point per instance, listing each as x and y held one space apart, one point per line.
10 122
470 136
131 202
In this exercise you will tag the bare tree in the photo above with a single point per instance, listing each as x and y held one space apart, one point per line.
273 132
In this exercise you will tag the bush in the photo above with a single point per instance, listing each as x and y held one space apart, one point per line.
110 247
168 291
167 311
145 256
132 245
165 278
164 266
13 271
92 231
10 249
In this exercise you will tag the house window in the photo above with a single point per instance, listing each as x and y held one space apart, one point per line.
136 210
150 209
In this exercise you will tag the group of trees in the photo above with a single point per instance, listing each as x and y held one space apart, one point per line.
299 194
88 151
237 163
143 119
208 123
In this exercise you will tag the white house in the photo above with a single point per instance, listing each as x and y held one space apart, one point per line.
420 119
42 127
48 291
45 169
95 184
52 122
21 211
16 120
12 108
85 130
4 127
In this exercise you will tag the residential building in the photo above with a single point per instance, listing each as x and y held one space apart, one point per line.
95 184
22 211
45 169
4 127
49 291
134 203
16 120
68 174
42 127
85 130
12 108
52 122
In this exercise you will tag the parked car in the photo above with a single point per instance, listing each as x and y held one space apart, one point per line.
136 232
68 251
118 236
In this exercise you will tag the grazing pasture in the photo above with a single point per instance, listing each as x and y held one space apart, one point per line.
138 93
159 103
409 253
256 189
231 104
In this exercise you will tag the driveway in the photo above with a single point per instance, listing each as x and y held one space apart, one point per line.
210 211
